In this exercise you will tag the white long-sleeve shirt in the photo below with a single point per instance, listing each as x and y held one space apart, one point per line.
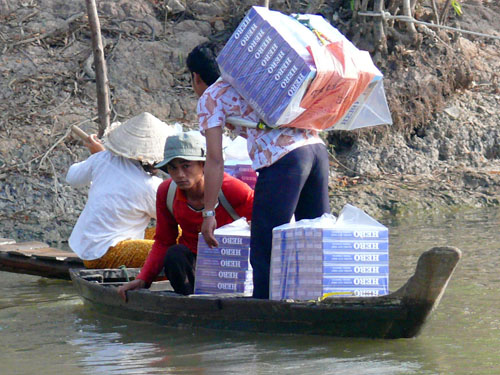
121 202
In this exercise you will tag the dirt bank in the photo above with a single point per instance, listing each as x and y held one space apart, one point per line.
447 157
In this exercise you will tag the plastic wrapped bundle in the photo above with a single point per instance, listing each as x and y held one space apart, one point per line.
348 257
299 71
347 91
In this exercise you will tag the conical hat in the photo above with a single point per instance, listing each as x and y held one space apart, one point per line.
140 138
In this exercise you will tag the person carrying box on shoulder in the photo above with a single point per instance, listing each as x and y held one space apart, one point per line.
292 164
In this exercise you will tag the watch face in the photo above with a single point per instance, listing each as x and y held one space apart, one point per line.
208 213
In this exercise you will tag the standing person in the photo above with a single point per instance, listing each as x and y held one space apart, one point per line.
180 203
292 164
122 194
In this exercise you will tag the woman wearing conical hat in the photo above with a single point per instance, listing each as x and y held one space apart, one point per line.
122 194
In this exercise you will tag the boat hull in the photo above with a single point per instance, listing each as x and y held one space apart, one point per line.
398 315
37 259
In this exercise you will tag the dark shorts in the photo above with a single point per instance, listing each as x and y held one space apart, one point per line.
179 266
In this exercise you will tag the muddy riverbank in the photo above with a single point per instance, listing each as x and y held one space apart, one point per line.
451 158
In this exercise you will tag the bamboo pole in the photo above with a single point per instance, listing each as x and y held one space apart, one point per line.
80 133
100 68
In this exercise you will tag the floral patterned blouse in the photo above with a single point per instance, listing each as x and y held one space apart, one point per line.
265 147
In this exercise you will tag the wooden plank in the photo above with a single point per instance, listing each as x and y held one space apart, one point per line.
37 258
6 241
61 258
45 253
23 246
51 253
14 253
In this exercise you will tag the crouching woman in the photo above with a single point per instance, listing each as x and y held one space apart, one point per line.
179 203
121 200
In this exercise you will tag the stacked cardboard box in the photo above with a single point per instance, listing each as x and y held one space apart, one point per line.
245 173
347 258
224 269
300 71
267 62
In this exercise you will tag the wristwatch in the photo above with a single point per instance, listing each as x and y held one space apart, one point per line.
208 213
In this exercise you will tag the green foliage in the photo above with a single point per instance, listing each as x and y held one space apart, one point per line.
457 7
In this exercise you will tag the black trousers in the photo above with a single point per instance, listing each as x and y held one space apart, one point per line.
179 266
296 184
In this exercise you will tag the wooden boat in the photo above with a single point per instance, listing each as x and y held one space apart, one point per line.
398 315
37 258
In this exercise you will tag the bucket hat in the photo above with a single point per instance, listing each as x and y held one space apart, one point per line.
140 138
187 146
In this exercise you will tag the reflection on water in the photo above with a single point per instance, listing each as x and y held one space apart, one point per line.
45 329
113 347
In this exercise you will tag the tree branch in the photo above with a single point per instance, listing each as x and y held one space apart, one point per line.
100 68
444 12
435 11
62 27
407 12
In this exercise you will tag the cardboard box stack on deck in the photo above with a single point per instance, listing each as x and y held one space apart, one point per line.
348 257
237 162
245 173
225 269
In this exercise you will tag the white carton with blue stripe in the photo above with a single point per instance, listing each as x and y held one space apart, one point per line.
225 269
348 256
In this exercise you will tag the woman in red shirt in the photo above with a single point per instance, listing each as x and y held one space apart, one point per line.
184 159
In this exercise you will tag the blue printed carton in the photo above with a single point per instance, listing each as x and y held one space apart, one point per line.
266 60
225 269
331 246
224 275
225 252
222 263
216 287
332 258
356 281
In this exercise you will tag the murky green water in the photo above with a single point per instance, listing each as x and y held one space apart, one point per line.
45 329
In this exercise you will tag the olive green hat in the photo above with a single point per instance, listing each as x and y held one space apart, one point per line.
187 146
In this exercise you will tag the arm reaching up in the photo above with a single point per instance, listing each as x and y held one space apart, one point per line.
94 144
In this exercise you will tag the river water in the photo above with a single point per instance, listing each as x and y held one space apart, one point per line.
45 328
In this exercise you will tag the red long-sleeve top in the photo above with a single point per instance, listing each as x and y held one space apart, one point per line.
238 194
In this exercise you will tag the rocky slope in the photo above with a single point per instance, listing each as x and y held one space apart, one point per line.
47 85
